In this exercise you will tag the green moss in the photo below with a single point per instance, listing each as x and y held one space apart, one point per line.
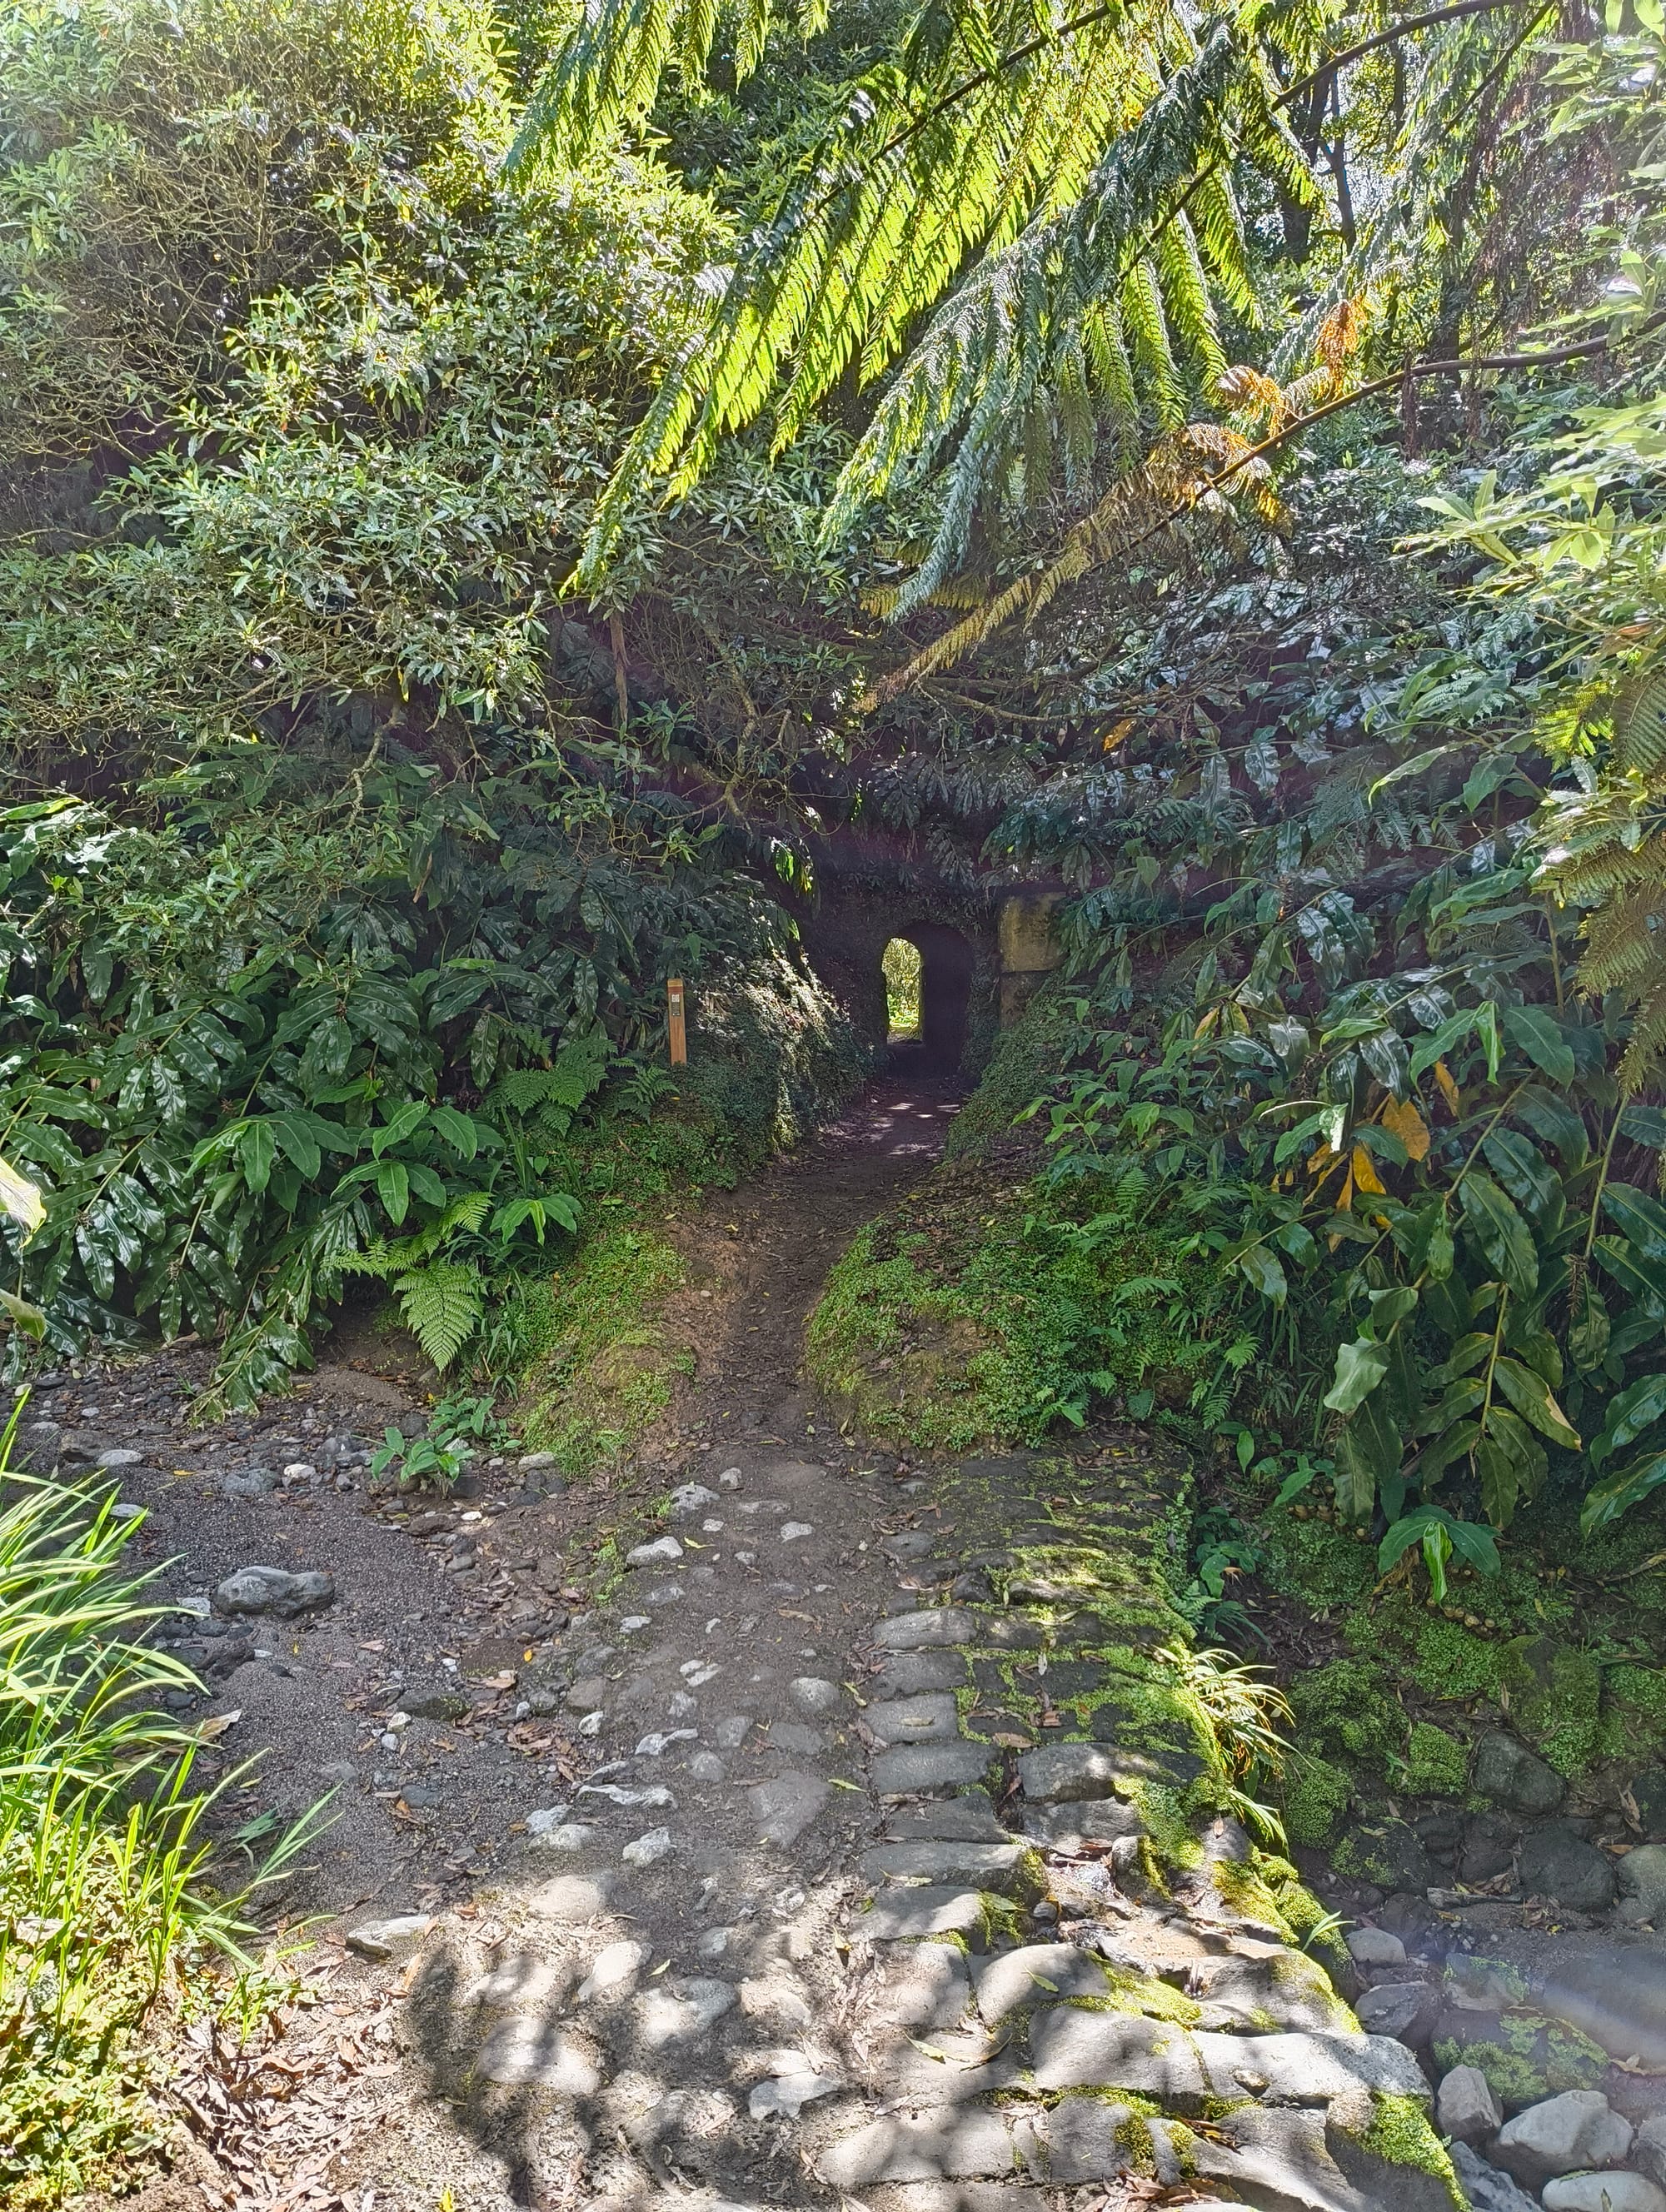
1441 1657
1348 1708
1437 1764
1400 2133
1632 1723
1316 1796
1384 1852
604 1365
1145 1994
1552 1693
1524 2055
1320 1564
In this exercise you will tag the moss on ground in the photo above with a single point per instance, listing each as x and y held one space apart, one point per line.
1316 1796
1437 1763
603 1365
1347 1709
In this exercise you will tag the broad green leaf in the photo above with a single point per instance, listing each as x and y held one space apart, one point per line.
1265 1272
398 1126
22 1315
1609 1499
297 1142
1530 1395
1360 1366
1555 1122
427 1186
1511 1464
256 1148
459 1131
1524 1171
1503 1235
1636 1277
393 1188
1627 1415
1368 1455
1638 1218
1540 1037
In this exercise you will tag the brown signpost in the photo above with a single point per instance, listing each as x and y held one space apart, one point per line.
679 1035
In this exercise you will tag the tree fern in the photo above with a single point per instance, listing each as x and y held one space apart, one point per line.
1041 192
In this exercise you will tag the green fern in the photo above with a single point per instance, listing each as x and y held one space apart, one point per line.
1063 171
441 1304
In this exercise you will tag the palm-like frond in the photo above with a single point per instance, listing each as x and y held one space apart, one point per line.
1081 187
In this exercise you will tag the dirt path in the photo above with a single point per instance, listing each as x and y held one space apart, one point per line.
800 1857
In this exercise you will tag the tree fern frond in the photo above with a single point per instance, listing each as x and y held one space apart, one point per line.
1176 478
1640 724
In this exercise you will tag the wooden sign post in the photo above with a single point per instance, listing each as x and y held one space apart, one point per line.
679 1035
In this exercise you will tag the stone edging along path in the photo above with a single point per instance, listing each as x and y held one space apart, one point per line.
908 1879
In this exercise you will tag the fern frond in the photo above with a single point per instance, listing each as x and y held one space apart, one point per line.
441 1304
1639 725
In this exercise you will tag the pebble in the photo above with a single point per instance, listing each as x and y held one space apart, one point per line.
662 1551
784 2096
730 1478
707 1766
546 1817
692 1498
811 1695
647 1851
116 1455
634 1623
253 1482
791 1531
656 1745
614 1968
274 1590
300 1470
387 1939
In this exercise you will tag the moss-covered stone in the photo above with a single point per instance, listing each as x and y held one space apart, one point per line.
1552 1693
1524 2055
1437 1764
1386 1852
1316 1794
1348 1708
1399 2133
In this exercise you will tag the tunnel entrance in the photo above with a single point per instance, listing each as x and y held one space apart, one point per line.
927 970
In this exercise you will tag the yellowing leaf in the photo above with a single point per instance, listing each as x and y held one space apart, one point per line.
217 1724
21 1198
1401 1118
1448 1089
1345 1196
1323 1161
1365 1175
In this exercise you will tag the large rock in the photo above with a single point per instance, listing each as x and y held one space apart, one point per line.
1563 2135
1290 2161
1643 1884
784 1807
1406 2010
910 1915
1465 2109
1076 2049
1038 1974
920 1769
928 1629
1376 1947
1615 1994
1556 1861
1602 2192
275 1590
934 1718
1007 1868
1648 2152
1065 1773
1486 2188
953 2146
1509 1774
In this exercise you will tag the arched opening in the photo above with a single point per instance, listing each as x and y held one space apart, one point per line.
927 970
901 964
